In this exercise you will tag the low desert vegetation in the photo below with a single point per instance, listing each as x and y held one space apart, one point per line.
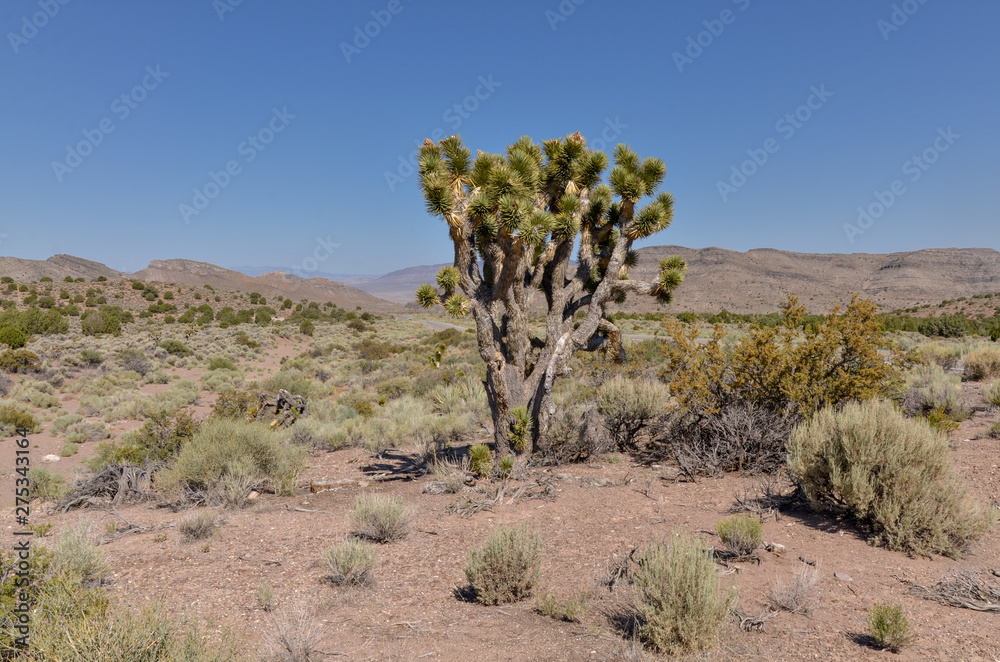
679 602
889 473
740 534
507 568
380 518
888 626
350 563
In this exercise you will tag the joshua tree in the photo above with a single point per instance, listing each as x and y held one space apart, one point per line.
514 219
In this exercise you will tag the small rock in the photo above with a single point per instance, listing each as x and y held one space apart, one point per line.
436 487
842 577
253 495
51 458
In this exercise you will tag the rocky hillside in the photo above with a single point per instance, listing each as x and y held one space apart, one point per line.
56 267
759 281
189 272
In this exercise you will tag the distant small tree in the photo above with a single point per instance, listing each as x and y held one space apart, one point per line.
514 220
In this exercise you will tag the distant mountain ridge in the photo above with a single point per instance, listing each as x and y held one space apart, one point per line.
760 280
754 281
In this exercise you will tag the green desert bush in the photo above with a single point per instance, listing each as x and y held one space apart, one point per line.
197 526
891 474
228 447
992 394
931 388
741 534
161 437
350 563
47 486
888 626
946 355
236 404
75 553
13 337
380 518
20 360
13 418
175 347
91 357
628 405
62 423
678 599
571 610
983 363
507 568
221 363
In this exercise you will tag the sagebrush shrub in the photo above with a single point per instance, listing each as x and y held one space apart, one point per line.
888 625
197 526
223 447
740 533
983 363
931 388
891 474
350 563
992 394
946 355
680 606
799 594
74 553
13 418
380 518
507 568
628 405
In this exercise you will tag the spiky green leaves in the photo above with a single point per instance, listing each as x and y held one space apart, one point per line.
427 296
447 279
458 157
457 305
671 276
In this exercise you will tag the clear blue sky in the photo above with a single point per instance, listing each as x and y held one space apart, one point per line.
350 107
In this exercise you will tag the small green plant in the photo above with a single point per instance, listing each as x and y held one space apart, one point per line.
572 610
992 394
678 600
349 563
47 486
221 363
995 430
520 429
480 460
175 347
888 626
197 526
75 554
507 568
506 466
741 534
41 530
380 518
91 357
265 595
14 419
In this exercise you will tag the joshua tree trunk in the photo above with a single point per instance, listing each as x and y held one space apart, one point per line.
514 220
